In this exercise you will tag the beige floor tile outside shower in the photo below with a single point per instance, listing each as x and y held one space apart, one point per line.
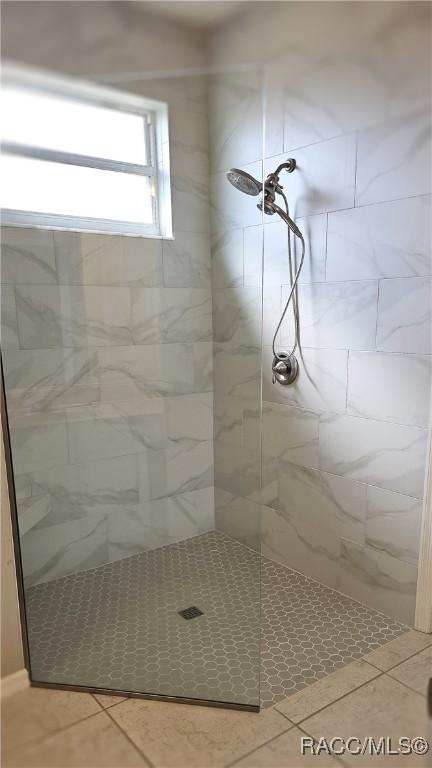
398 650
382 708
106 700
38 712
416 671
284 752
322 693
93 743
180 736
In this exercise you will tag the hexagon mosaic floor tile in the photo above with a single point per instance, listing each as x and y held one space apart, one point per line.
120 626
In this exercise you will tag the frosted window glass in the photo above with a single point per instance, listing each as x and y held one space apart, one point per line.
66 125
68 190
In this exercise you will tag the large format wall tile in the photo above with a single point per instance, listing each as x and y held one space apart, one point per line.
89 259
379 580
38 440
50 378
394 160
171 314
381 240
391 387
291 434
297 544
237 315
175 470
227 258
237 370
338 315
388 455
276 262
321 384
159 522
405 315
334 504
186 261
324 178
127 372
9 326
27 256
393 523
235 119
73 316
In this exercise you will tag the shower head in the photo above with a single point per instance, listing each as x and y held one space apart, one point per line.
244 182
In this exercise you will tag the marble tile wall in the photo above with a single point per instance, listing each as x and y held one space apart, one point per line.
107 340
343 449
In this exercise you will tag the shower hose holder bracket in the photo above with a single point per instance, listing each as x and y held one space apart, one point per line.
285 369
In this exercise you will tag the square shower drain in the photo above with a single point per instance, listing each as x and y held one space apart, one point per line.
190 613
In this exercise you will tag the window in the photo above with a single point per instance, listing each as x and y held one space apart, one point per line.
82 157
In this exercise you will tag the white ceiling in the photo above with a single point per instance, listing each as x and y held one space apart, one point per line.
199 14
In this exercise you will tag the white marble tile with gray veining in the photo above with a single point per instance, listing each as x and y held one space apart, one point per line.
187 261
381 453
237 315
38 440
137 425
161 315
337 315
227 258
54 551
202 354
393 523
237 370
237 469
73 316
324 177
148 370
189 151
46 379
333 503
9 326
236 122
159 522
405 315
276 261
394 159
294 542
253 256
190 198
32 511
27 256
321 384
90 259
88 488
391 387
239 518
378 580
291 434
176 470
391 239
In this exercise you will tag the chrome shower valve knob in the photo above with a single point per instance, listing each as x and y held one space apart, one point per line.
285 369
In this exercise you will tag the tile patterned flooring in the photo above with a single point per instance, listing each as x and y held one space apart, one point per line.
382 694
118 626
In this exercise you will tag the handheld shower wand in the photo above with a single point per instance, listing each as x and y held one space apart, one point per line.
284 366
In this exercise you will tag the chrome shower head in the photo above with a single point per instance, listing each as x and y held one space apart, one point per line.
244 182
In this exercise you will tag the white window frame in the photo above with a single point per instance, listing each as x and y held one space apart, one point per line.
155 113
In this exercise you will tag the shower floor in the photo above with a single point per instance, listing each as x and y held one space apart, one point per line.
118 626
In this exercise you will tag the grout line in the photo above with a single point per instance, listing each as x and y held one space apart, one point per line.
130 740
264 744
339 698
40 739
407 658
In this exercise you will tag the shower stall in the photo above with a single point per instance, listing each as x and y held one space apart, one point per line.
212 500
